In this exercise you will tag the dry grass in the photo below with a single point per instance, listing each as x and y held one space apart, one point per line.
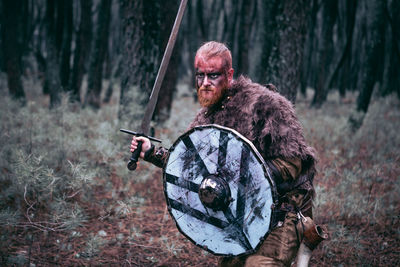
66 197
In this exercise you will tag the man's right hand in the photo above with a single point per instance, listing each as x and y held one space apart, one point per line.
145 146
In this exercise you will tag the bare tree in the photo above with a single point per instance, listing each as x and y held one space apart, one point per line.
246 19
65 53
98 54
114 52
342 56
11 23
286 35
346 22
391 75
325 50
374 45
140 56
164 103
82 49
307 75
52 75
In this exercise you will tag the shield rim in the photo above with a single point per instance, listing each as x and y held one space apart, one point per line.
268 176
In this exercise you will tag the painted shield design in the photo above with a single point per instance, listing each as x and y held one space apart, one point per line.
219 190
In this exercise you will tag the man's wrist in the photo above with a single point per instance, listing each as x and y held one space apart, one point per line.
149 153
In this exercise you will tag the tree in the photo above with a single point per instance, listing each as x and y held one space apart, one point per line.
140 56
341 68
374 44
168 88
342 56
325 50
307 77
11 23
391 75
82 49
246 20
65 53
114 52
231 18
52 75
283 42
98 55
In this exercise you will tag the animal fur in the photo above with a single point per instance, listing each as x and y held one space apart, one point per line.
264 117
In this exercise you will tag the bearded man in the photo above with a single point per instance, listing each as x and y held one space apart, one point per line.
268 120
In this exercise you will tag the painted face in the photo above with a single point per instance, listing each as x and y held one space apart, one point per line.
212 80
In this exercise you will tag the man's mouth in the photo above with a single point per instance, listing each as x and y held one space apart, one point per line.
206 90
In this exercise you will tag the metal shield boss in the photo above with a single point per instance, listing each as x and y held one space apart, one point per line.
219 190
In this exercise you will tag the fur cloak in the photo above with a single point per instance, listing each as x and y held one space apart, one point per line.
264 117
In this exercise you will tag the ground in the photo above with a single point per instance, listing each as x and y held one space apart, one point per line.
126 222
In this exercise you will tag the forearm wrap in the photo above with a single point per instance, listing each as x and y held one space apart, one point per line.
157 156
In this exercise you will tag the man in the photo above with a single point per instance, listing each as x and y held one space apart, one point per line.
268 120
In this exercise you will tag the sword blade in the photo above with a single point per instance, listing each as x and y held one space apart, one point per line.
145 126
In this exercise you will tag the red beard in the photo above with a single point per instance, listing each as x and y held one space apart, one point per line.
205 99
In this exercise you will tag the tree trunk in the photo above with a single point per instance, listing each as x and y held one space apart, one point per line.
52 76
358 46
347 11
140 57
269 9
168 88
325 51
391 71
284 62
82 49
344 51
231 21
113 79
374 51
374 46
309 46
200 20
66 44
244 40
98 55
11 22
391 81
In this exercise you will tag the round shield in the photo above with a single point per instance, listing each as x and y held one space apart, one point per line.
219 190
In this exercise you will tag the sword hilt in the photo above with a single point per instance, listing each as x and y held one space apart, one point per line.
132 164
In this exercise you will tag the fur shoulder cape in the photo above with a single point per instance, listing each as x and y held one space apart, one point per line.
264 117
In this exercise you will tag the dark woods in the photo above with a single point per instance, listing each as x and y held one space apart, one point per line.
324 45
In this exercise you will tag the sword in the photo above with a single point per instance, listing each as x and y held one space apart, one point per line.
145 126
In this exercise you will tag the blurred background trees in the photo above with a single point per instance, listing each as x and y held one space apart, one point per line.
66 196
86 47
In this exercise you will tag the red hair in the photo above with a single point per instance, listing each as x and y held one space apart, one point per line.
215 49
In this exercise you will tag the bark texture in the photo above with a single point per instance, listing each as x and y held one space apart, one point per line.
98 54
82 49
52 75
374 50
282 68
11 16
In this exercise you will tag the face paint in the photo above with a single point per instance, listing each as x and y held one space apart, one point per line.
211 80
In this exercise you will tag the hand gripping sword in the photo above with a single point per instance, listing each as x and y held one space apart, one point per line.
145 126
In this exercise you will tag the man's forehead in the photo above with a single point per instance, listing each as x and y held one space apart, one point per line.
208 64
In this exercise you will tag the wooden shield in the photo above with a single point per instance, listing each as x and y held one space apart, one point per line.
222 157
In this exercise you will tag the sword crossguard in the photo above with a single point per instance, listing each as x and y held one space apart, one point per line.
140 134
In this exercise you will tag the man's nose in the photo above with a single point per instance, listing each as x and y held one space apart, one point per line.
206 81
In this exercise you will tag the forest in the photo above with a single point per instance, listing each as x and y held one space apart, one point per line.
73 72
